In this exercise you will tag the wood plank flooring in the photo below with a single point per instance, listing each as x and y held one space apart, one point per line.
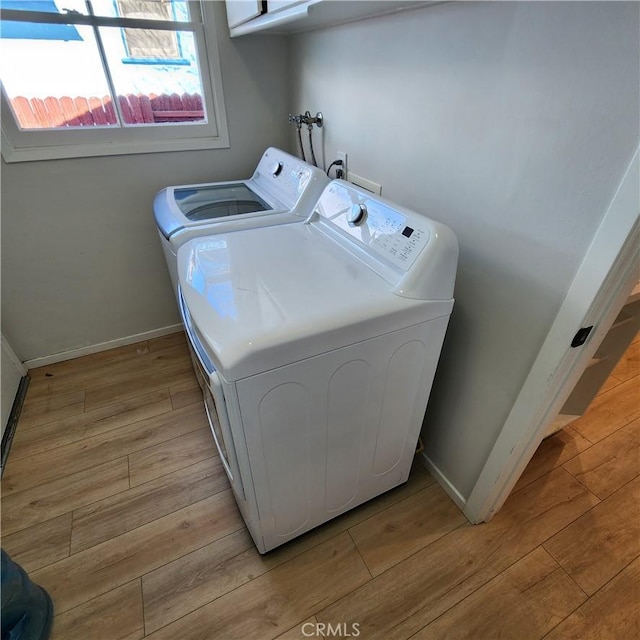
115 500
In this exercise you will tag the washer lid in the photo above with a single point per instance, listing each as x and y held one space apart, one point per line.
177 208
263 298
204 202
280 183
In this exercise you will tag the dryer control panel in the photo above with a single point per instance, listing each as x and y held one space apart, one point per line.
416 255
398 236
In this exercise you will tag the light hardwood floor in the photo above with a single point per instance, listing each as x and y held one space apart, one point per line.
115 500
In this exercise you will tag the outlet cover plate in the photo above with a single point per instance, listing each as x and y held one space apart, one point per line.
342 155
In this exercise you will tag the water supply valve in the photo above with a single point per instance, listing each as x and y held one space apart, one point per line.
307 118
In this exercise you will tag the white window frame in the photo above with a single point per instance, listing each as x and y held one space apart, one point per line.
20 145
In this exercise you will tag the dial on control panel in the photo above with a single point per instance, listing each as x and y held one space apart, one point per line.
276 169
357 215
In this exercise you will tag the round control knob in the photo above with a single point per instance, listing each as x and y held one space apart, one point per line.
276 169
357 215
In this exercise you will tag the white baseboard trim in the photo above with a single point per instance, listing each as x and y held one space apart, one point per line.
443 481
102 346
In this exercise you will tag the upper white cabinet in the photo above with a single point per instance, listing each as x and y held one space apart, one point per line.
289 16
279 5
240 11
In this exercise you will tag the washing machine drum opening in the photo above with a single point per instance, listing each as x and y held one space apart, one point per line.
218 201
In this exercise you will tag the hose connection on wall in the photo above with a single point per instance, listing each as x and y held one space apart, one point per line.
306 119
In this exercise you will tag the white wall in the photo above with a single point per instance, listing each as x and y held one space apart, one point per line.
81 261
512 123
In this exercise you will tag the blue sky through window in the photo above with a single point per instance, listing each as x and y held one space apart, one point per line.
36 31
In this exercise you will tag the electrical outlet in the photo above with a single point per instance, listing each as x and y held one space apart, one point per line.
342 155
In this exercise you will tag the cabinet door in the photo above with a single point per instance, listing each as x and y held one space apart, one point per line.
624 329
279 5
240 11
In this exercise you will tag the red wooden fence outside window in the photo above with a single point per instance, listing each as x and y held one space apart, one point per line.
38 113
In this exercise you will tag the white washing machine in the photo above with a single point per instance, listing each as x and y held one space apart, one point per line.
316 345
282 189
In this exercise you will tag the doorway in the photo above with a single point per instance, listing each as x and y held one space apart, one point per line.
601 287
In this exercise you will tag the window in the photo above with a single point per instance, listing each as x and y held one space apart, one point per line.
103 77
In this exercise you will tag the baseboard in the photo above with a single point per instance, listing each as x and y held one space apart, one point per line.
12 423
443 481
102 346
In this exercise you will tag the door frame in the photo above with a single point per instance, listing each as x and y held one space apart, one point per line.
607 275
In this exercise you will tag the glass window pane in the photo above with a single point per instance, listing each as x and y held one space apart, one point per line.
46 6
58 83
20 30
176 10
152 9
145 44
157 87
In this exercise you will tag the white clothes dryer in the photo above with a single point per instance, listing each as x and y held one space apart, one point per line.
282 189
316 345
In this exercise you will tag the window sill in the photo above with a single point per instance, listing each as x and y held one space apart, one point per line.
54 152
177 62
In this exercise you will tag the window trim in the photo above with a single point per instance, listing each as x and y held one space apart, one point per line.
48 144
